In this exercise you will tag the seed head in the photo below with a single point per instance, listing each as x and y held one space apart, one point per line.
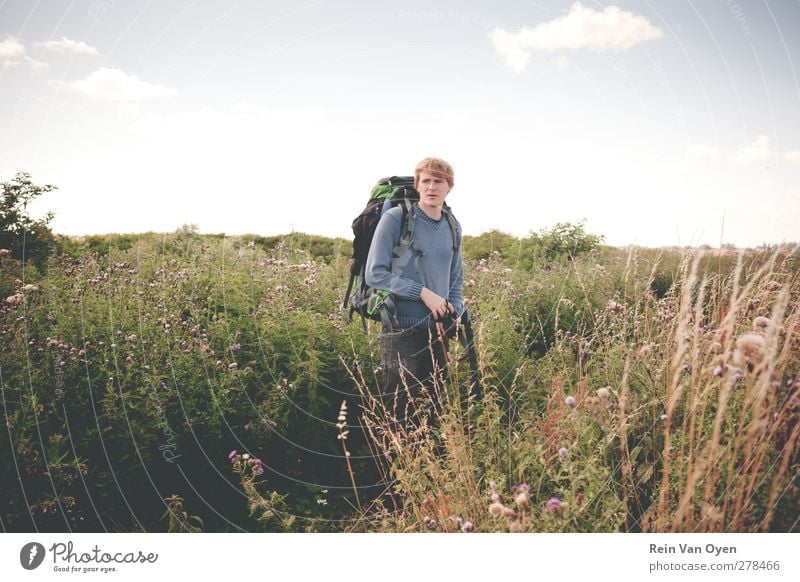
749 349
522 501
761 324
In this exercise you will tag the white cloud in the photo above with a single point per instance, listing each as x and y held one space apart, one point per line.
699 151
611 29
114 85
793 157
755 152
12 54
11 49
66 45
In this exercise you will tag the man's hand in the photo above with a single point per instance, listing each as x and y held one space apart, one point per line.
438 305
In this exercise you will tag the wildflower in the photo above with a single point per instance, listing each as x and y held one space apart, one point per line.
467 527
562 452
246 456
233 366
749 349
236 347
428 522
762 324
604 393
5 252
718 371
664 417
522 500
579 498
570 401
15 299
232 455
509 513
554 504
516 527
496 509
524 487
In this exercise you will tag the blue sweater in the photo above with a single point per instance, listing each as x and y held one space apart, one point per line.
437 267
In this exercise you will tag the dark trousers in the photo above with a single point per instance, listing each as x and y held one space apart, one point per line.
412 361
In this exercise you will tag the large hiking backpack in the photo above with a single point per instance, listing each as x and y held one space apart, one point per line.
372 303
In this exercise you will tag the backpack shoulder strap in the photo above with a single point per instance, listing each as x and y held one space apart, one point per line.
451 220
407 221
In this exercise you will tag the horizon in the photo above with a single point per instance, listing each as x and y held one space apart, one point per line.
661 124
725 246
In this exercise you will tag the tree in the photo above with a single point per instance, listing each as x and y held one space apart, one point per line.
25 237
568 240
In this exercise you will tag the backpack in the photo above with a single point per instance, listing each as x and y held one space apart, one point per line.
376 304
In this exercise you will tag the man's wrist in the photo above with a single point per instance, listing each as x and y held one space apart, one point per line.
416 290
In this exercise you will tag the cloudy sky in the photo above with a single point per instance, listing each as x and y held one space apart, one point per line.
658 122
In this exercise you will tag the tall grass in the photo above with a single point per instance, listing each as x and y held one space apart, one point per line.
623 391
671 414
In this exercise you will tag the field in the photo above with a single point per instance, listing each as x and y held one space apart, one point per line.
187 382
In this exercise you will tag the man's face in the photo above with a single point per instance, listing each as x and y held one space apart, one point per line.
432 190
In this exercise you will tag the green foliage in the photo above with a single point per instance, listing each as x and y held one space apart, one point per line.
22 238
563 242
566 240
136 365
26 237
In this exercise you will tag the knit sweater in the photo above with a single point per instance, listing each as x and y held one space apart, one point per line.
430 262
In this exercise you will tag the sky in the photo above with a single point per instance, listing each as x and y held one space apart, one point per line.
657 122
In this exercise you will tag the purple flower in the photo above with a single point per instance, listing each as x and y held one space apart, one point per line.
553 504
236 347
562 452
232 455
524 487
570 401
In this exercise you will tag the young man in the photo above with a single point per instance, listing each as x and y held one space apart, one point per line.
427 283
